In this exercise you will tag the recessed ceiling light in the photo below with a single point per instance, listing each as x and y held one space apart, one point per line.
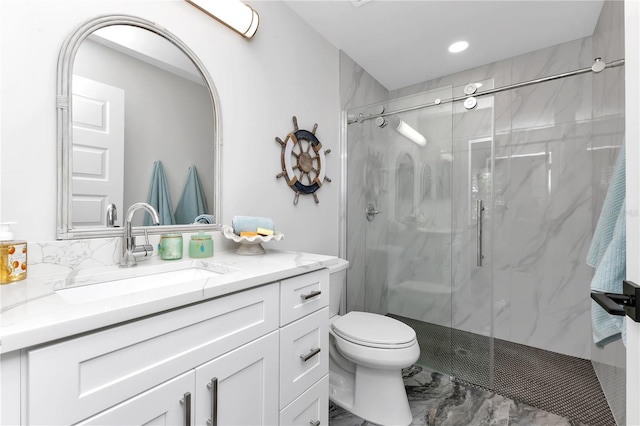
458 46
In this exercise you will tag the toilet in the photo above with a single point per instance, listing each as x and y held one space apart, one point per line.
367 353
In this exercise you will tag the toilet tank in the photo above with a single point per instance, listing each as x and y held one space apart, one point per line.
338 287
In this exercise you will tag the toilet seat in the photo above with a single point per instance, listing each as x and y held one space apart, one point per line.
374 330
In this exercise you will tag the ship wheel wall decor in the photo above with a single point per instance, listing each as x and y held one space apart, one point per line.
303 161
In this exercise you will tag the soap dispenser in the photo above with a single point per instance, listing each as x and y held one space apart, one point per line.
13 256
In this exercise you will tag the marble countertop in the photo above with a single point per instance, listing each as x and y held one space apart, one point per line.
36 311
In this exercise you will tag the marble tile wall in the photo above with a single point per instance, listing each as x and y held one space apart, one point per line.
364 171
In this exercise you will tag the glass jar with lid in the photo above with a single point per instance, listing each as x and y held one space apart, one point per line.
200 245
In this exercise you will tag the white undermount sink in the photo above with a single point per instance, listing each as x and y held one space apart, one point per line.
106 289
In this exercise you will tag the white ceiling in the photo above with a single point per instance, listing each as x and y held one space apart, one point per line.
405 42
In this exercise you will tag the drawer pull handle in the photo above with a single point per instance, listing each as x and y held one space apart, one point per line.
186 401
311 295
213 386
316 423
307 357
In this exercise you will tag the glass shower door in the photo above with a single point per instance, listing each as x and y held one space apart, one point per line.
474 186
418 248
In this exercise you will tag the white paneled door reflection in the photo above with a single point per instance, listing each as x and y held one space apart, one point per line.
98 151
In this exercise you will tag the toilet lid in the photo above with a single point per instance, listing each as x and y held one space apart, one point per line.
373 329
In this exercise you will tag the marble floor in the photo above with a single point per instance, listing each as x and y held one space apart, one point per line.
436 400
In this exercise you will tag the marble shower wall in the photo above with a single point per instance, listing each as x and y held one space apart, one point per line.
358 88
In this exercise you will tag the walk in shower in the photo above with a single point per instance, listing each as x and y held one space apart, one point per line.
478 237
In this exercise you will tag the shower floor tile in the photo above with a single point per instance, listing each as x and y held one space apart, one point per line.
556 383
435 400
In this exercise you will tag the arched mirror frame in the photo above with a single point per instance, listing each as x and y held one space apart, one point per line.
65 155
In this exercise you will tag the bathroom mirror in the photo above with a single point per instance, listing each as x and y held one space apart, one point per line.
137 114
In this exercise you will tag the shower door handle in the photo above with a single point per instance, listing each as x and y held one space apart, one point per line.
479 216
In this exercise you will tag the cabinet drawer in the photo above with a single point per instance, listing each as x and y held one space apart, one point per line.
301 295
74 379
304 354
310 408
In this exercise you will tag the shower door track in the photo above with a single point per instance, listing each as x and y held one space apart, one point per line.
595 68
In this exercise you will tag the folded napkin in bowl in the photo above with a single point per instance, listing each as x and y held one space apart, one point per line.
251 224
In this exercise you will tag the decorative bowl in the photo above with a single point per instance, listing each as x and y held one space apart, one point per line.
250 246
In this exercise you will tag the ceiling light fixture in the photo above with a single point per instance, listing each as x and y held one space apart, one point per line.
458 46
410 133
404 129
232 13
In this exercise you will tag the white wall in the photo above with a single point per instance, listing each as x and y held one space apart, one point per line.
286 70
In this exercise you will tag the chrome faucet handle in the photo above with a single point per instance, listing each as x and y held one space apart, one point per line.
144 251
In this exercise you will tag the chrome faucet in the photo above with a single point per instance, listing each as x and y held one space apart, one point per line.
112 215
129 248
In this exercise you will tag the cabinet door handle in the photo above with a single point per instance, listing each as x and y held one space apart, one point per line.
311 295
316 423
213 386
186 400
307 357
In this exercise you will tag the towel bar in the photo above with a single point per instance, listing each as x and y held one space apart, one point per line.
620 304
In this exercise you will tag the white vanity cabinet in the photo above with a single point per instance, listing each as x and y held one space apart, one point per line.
73 380
258 356
236 388
304 349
